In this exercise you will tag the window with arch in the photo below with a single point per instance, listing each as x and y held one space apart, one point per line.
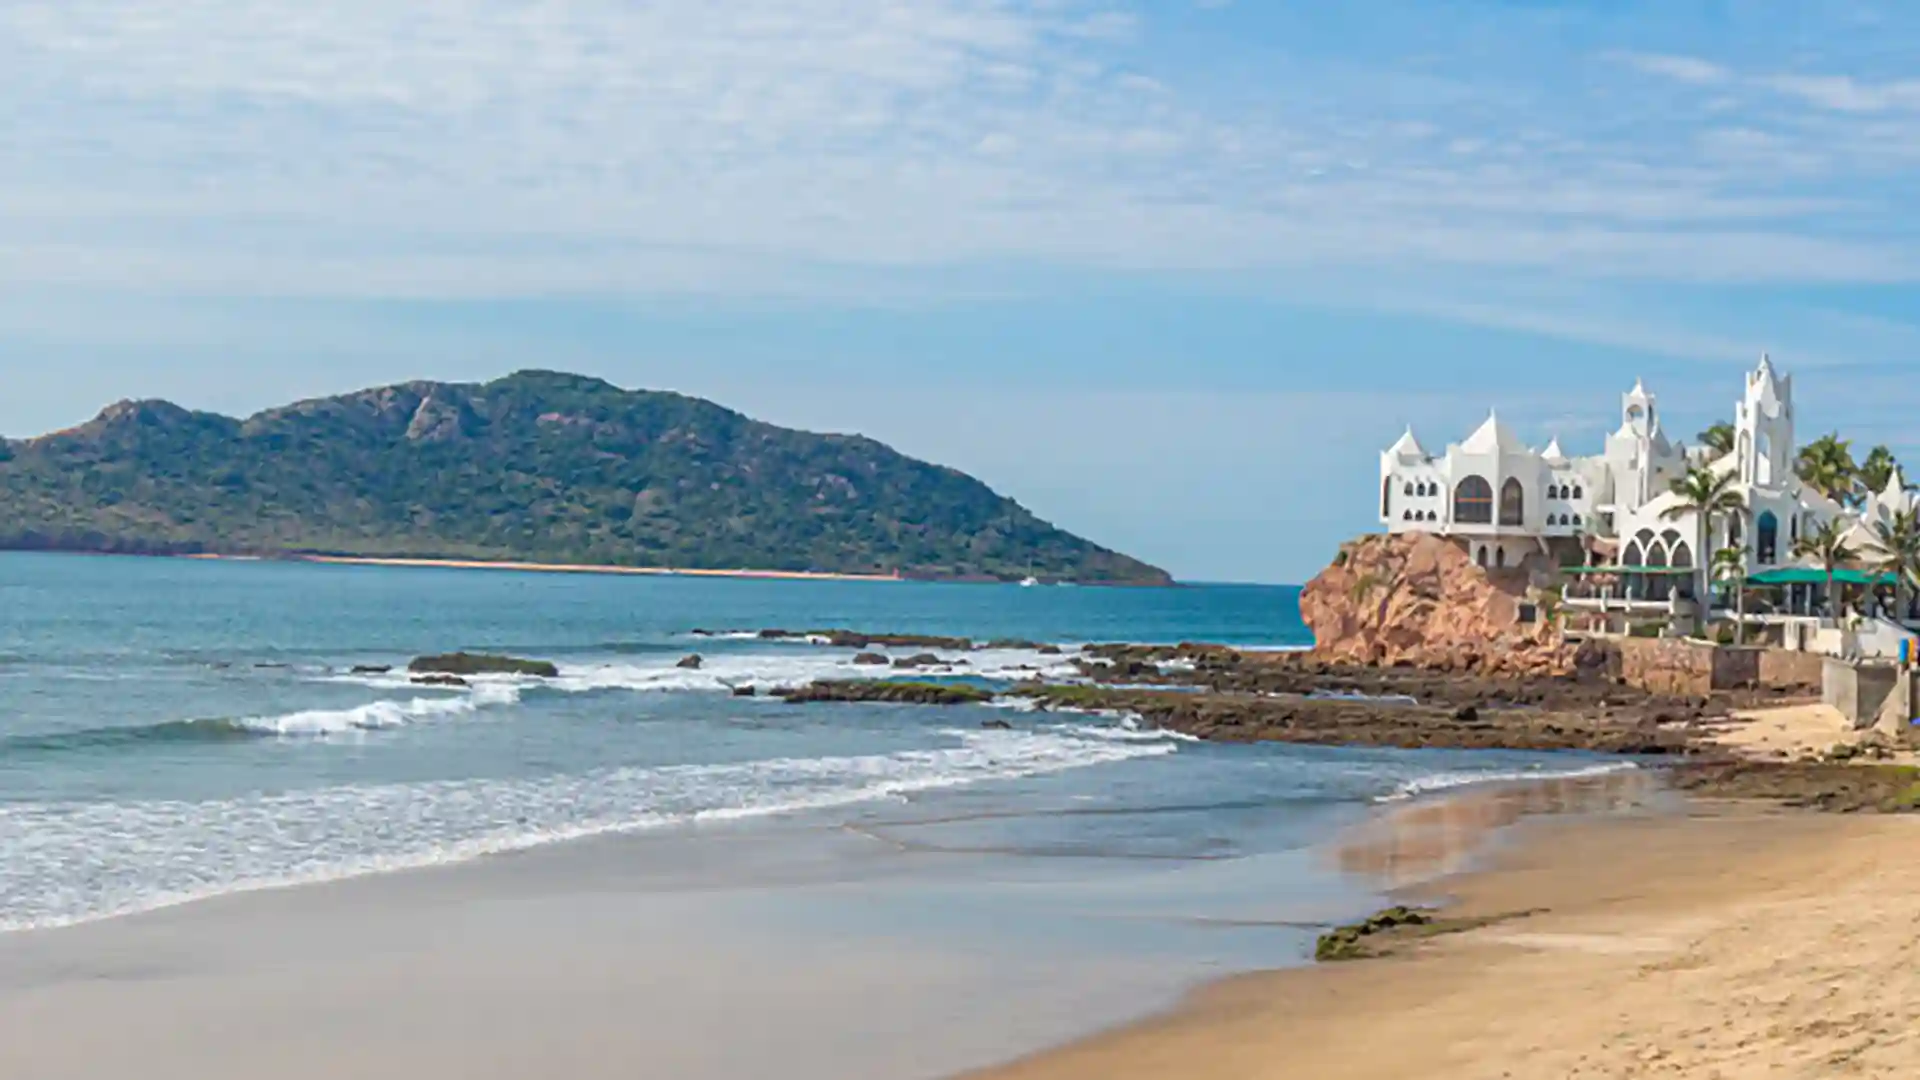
1386 497
1632 555
1480 556
1576 492
1736 531
1407 491
1406 515
1793 529
1473 502
1432 516
1499 556
1513 503
1576 521
1683 557
1766 533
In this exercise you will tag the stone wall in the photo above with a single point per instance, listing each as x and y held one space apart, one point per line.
1784 669
1675 666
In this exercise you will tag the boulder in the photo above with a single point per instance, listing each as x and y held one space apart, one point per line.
439 679
870 659
1416 600
745 691
925 659
996 725
691 662
371 669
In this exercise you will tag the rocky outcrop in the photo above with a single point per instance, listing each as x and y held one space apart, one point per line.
691 662
1417 600
900 693
462 663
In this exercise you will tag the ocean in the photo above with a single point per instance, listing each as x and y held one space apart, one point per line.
174 730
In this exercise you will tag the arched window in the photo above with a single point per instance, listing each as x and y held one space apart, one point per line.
1736 531
1657 557
1423 491
1432 516
1473 502
1576 492
1406 515
1576 521
1480 556
1793 529
1767 538
1408 490
1513 503
1499 556
1683 557
1632 555
1386 498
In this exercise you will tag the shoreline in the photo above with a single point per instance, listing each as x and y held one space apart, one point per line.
1610 946
548 568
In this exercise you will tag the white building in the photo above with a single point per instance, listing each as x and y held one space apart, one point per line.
1614 513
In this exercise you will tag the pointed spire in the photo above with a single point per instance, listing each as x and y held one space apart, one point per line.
1892 494
1553 452
1493 437
1408 448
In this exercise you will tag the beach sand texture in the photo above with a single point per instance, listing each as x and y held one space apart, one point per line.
1704 948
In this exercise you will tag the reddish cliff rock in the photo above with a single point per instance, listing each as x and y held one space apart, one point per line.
1418 600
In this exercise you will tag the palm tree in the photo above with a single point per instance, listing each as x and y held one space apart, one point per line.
1896 551
1877 471
1730 565
1718 438
1706 494
1827 545
1826 465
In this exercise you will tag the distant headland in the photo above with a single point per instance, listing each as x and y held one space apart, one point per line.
538 470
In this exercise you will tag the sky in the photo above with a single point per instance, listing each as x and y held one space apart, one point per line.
1169 272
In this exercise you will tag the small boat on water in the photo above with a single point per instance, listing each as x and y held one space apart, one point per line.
1029 581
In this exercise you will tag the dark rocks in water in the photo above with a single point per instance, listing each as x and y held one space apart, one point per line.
270 666
1012 643
462 663
996 725
856 639
871 659
746 691
697 632
918 660
1048 650
439 679
905 693
691 662
371 669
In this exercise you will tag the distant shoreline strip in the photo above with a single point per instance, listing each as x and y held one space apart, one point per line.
555 568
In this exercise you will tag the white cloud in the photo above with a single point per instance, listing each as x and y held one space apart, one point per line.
1687 69
511 147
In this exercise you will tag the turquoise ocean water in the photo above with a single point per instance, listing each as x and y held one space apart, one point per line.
174 729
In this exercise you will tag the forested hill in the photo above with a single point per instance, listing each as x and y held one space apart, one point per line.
537 466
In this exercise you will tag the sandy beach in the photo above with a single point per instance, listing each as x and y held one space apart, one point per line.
1710 946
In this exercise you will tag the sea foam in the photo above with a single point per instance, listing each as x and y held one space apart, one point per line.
76 862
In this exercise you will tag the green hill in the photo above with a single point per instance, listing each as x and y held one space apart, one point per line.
537 466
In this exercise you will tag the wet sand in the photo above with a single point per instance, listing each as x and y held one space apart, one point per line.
1717 945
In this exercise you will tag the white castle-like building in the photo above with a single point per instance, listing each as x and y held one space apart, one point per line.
1511 506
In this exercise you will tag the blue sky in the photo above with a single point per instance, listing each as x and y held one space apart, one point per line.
1168 271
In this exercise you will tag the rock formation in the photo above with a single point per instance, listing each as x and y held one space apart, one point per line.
1417 600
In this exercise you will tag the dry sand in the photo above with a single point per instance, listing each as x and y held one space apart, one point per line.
1701 948
1790 732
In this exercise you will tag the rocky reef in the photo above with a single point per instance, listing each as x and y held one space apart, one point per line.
888 691
464 663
